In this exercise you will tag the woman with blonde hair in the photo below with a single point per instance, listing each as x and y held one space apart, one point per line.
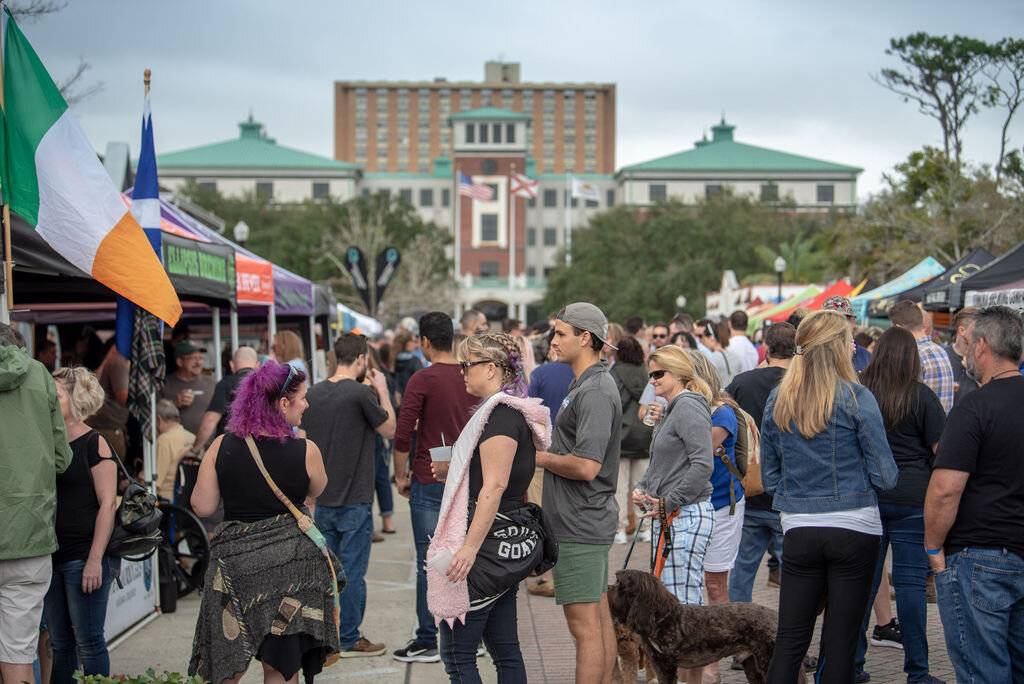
76 603
471 589
676 489
727 492
287 348
824 456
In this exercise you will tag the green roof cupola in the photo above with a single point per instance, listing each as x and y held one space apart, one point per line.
251 130
722 132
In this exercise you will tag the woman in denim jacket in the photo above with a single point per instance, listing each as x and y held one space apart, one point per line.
824 457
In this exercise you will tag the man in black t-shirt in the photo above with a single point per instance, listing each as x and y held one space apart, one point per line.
762 529
974 508
343 418
215 419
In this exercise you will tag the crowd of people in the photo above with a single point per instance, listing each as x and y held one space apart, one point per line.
562 441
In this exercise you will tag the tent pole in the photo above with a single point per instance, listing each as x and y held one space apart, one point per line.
233 318
271 325
314 367
218 366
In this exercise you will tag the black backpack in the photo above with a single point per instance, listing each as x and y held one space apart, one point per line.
136 533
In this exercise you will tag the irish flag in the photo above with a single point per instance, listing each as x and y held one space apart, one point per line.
53 179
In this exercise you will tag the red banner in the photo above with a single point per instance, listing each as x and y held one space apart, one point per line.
254 280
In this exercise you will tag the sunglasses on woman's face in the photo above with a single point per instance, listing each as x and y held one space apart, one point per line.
466 365
657 374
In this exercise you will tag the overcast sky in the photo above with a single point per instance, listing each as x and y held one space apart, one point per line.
793 75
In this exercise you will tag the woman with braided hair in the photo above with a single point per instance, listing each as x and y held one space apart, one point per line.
491 467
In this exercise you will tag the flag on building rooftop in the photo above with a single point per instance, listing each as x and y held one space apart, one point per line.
585 190
521 186
477 191
52 177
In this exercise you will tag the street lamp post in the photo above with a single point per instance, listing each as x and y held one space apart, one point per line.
241 232
780 268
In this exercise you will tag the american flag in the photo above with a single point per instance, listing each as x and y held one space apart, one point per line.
470 189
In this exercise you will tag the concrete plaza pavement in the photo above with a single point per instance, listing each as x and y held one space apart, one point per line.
166 642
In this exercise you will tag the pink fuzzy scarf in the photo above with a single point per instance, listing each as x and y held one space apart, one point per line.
445 600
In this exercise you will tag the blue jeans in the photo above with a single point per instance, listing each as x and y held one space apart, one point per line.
349 533
762 531
424 506
382 477
75 620
981 603
497 624
903 528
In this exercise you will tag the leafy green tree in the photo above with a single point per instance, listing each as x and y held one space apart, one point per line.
943 76
805 261
1005 91
630 261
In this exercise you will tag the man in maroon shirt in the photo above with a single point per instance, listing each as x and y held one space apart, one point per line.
436 398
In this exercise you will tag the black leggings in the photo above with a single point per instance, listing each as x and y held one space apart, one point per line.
819 562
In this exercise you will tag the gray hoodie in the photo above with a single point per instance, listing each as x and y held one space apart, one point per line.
681 457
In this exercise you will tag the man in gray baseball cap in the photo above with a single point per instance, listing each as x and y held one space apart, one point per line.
581 471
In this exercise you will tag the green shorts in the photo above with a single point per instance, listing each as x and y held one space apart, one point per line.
581 574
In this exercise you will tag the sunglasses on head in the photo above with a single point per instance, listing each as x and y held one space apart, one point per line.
288 381
466 365
657 374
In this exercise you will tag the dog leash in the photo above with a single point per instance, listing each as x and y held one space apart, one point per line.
664 540
635 536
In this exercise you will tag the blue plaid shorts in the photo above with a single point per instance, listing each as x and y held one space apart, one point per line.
683 574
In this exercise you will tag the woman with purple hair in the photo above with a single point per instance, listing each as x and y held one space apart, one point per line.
492 464
259 555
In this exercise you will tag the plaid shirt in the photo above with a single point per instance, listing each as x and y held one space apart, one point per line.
936 371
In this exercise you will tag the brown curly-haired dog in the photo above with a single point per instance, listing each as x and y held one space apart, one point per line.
676 635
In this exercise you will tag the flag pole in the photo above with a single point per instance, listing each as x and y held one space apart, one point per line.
568 220
457 230
511 248
8 300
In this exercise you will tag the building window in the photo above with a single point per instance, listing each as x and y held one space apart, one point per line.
566 193
424 167
488 227
265 190
366 193
426 197
712 189
405 194
321 190
592 204
483 132
494 190
488 269
446 197
548 271
769 192
656 192
550 237
470 133
510 133
827 193
497 133
531 272
550 198
208 185
610 198
531 202
531 237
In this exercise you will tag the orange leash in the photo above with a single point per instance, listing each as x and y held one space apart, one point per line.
664 540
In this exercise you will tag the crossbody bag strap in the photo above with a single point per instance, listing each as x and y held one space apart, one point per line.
301 518
734 471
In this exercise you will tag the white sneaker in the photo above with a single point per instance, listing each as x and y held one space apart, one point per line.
645 535
620 537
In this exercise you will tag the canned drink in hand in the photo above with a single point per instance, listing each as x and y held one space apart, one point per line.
648 416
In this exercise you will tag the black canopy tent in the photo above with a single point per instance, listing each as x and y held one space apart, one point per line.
1006 269
973 262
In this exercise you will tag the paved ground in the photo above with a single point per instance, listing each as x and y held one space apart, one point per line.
165 643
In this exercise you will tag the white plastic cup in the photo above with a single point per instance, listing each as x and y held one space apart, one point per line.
440 563
441 453
648 418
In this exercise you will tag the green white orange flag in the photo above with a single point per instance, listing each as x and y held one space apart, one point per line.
51 176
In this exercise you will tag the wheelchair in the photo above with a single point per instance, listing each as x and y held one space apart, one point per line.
185 539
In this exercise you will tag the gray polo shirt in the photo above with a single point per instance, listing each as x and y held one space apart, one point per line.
588 426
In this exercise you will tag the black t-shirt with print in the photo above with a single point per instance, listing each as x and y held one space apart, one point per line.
911 443
984 436
505 421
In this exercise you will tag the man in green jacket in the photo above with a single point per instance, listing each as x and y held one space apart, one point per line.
33 449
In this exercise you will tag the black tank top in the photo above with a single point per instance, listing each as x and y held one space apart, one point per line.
77 505
246 494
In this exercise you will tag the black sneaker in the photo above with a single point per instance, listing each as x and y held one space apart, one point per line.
415 652
887 635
